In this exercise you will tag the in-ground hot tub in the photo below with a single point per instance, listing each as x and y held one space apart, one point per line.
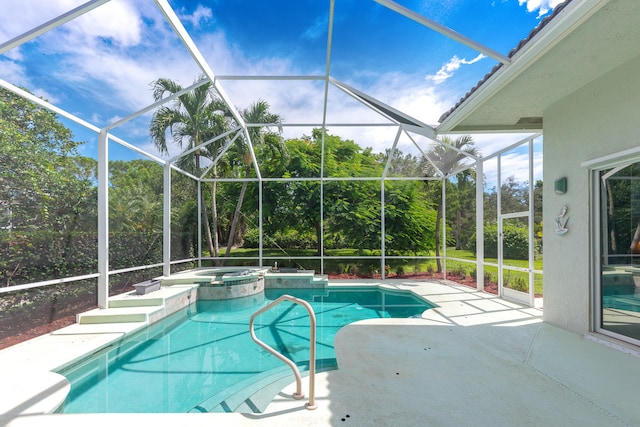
220 283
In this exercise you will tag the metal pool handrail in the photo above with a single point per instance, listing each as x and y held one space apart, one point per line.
312 348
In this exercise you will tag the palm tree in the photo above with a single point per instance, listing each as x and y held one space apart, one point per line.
191 119
257 113
443 159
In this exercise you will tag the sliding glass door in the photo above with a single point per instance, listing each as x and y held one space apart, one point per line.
618 295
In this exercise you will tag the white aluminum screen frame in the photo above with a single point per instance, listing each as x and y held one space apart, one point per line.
404 123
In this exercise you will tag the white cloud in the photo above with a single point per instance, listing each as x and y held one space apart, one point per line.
447 70
403 92
199 16
317 29
542 6
410 95
117 20
22 16
16 74
13 73
113 64
14 54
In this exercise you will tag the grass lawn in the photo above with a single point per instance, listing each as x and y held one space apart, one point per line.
516 279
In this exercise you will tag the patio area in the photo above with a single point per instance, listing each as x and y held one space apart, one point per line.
475 360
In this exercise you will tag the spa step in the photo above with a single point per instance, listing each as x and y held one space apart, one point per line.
275 280
320 280
135 302
118 315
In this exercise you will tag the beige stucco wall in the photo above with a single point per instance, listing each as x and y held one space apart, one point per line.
599 119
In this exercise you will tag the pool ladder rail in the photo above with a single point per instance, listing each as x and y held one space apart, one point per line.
312 348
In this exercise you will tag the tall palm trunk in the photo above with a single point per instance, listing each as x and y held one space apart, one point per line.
236 214
459 229
207 226
214 214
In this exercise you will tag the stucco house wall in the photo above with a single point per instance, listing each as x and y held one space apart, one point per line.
599 119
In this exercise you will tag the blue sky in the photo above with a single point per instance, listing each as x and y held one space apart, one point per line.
100 65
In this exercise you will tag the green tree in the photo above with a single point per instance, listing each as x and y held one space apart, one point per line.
191 119
352 207
135 196
401 164
293 203
48 197
537 202
44 183
514 197
461 210
443 160
257 113
410 219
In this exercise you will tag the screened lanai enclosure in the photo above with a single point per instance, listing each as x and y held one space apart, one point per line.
201 169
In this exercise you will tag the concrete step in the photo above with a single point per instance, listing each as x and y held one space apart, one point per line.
238 397
118 315
136 302
320 281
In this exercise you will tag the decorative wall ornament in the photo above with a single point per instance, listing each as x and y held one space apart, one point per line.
561 221
560 185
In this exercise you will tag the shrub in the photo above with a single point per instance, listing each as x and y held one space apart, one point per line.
251 238
516 242
291 239
519 284
459 270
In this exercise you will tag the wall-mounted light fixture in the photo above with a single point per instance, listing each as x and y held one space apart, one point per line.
560 185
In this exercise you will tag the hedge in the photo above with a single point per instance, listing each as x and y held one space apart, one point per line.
516 242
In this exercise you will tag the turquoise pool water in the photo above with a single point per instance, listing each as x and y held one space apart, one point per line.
203 359
623 297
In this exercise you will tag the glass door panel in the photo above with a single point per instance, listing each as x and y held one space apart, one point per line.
620 250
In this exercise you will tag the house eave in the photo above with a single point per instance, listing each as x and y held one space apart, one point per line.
562 25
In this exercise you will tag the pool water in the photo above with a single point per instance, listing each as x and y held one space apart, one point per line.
203 359
623 297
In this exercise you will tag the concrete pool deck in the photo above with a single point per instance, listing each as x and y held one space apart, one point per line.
475 360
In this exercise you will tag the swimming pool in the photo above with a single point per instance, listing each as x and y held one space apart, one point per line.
202 359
